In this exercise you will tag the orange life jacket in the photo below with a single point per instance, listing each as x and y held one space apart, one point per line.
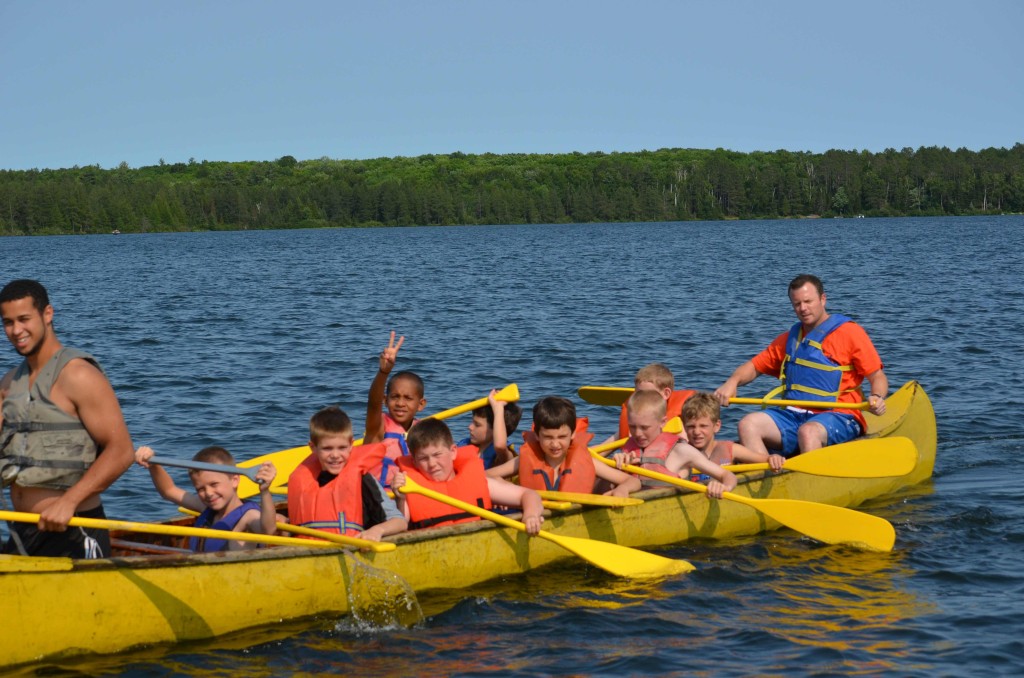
469 484
674 408
653 457
394 441
337 506
576 473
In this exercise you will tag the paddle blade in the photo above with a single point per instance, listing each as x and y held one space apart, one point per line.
865 458
509 394
620 561
610 396
826 523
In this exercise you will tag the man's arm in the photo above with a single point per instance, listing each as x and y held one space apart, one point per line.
744 374
879 389
96 406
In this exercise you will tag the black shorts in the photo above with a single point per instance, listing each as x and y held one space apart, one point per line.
70 543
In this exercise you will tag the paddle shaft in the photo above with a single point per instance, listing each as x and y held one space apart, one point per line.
617 395
173 530
249 473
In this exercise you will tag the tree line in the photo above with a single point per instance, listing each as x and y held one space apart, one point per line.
458 188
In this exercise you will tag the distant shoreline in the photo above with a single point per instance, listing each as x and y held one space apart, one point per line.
488 189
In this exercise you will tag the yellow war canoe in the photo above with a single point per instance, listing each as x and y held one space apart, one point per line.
161 594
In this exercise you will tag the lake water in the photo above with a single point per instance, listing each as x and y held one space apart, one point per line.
237 338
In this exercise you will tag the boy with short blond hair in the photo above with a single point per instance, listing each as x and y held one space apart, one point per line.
216 498
653 449
402 394
334 489
701 417
490 427
555 456
656 377
437 463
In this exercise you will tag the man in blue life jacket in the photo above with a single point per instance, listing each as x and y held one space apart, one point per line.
63 439
823 358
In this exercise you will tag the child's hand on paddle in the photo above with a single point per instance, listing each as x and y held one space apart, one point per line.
143 455
390 353
265 475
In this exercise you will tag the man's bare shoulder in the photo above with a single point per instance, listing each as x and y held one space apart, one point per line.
81 378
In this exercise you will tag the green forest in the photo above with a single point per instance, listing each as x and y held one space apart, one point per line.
458 188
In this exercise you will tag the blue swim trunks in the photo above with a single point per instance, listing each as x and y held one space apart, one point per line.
839 428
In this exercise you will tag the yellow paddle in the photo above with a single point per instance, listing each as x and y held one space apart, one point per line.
174 530
616 395
621 561
587 499
824 522
345 540
864 458
287 460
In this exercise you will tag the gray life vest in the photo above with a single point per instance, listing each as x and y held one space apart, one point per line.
51 447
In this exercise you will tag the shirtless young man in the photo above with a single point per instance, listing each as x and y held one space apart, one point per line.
64 439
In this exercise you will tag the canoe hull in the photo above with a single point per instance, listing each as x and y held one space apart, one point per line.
111 605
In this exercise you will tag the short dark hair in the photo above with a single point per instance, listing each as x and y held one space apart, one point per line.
405 374
513 413
19 289
213 455
554 412
428 432
330 421
804 278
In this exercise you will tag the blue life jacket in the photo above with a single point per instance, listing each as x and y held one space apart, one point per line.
807 373
228 522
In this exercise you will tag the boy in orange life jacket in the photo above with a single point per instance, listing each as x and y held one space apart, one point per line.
702 419
656 377
334 488
216 499
555 457
435 462
404 399
648 446
490 428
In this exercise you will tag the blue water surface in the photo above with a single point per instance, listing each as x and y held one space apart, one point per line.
237 338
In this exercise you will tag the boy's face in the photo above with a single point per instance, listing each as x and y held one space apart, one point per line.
479 431
666 393
644 427
214 489
554 443
333 451
700 431
436 461
404 401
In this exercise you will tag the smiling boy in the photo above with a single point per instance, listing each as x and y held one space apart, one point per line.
334 489
436 463
402 394
216 498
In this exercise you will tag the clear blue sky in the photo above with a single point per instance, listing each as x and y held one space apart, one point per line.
101 82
